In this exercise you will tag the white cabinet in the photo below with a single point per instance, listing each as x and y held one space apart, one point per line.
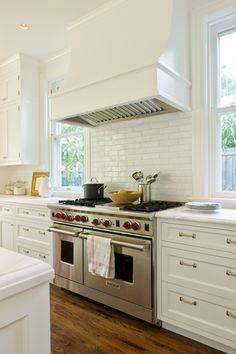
19 108
197 278
24 228
8 235
10 150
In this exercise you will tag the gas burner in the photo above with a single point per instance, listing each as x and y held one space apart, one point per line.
85 202
155 205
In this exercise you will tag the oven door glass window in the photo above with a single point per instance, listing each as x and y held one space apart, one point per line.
67 252
124 267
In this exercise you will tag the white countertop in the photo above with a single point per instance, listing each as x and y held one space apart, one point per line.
28 199
19 272
221 216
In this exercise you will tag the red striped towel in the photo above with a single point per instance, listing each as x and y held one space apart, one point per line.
100 253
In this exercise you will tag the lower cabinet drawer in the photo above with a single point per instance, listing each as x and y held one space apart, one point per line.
35 254
203 272
217 239
207 313
41 236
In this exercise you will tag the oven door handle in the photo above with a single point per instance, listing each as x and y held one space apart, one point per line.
61 231
119 243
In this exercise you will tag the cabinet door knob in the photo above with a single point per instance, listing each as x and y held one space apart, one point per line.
186 301
230 273
229 241
182 234
188 264
230 314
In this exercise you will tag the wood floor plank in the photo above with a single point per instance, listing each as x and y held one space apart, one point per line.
83 326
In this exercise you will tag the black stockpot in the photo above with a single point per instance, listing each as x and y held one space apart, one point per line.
94 190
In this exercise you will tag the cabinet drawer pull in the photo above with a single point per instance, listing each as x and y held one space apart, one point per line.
6 209
189 302
182 234
26 251
42 232
228 272
25 229
183 263
230 241
41 214
25 212
230 314
42 256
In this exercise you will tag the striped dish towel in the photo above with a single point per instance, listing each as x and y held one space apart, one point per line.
101 259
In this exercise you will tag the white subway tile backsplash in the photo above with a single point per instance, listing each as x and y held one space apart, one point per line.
161 143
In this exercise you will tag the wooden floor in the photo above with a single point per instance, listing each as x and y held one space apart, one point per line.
82 326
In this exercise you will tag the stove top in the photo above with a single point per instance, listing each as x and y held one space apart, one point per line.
154 205
85 202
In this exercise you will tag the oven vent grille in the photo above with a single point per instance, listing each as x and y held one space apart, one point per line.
137 109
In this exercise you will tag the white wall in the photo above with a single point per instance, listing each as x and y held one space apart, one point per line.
159 143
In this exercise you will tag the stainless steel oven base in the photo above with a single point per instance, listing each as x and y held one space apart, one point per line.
116 303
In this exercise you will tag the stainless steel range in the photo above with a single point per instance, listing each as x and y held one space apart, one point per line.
133 233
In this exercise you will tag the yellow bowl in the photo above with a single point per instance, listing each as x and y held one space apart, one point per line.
124 198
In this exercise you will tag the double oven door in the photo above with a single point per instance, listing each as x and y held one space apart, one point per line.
133 263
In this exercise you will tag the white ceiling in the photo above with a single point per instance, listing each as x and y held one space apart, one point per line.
47 20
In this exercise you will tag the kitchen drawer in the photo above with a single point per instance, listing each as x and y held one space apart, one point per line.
35 254
28 233
7 209
42 214
207 313
211 274
218 239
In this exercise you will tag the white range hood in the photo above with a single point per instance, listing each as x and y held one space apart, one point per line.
121 63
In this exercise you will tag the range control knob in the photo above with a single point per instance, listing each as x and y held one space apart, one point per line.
127 225
135 226
106 223
70 217
96 222
84 218
53 214
63 216
77 217
58 215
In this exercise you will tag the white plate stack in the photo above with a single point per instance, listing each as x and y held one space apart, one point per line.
207 207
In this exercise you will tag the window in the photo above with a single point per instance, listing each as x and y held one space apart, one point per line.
68 155
222 127
69 151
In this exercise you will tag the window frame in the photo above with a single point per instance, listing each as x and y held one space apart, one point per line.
204 19
226 24
60 190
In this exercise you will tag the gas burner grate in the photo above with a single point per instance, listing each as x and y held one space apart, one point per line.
85 202
155 205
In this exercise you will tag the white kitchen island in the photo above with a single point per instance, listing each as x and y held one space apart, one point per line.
24 304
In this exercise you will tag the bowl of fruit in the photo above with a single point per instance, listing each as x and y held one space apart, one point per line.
123 197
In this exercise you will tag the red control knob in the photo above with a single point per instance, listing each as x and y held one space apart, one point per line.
77 217
58 215
135 226
70 217
84 218
96 222
127 225
106 223
63 216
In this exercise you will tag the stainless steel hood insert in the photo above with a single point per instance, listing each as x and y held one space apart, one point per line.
133 110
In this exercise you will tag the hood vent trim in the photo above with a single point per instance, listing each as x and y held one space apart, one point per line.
133 110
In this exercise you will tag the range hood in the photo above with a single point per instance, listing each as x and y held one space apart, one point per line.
122 64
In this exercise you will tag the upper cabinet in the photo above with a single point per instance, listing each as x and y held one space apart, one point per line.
19 109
